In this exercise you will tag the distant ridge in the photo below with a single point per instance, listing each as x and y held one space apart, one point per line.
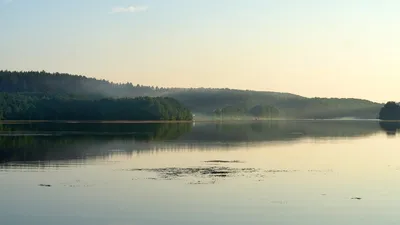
202 101
44 82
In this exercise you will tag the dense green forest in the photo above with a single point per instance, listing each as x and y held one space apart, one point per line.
201 101
28 107
390 111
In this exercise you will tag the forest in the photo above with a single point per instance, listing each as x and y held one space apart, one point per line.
28 107
204 102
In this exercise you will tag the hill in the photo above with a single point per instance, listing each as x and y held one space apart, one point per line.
201 101
289 105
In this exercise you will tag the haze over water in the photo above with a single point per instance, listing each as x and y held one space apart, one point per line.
297 172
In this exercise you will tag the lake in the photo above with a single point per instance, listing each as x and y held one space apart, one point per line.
278 172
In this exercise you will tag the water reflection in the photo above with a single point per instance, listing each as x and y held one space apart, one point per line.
60 141
390 128
44 142
288 172
282 130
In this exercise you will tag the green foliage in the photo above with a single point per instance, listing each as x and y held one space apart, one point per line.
26 107
66 84
202 101
390 111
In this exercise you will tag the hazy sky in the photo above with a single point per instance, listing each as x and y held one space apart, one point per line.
335 48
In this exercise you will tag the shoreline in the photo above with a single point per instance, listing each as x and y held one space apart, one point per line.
182 121
95 121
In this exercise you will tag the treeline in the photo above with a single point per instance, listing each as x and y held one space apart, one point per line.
28 107
66 84
202 101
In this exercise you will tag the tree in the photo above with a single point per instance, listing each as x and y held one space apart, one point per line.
390 111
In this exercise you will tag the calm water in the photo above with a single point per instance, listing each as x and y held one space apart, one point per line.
332 172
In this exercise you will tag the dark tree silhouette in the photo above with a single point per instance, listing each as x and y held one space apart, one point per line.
26 107
390 111
202 101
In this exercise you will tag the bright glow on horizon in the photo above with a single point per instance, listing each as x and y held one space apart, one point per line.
311 48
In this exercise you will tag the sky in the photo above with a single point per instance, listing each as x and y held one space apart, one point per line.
341 48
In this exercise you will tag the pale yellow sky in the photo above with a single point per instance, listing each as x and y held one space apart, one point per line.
313 48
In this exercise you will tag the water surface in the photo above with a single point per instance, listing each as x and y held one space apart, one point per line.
287 172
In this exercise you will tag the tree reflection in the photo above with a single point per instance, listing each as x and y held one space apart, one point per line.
60 141
390 127
51 141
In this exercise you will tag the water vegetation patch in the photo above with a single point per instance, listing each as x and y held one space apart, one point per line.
224 161
204 174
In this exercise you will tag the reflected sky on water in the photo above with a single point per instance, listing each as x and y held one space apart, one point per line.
288 172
